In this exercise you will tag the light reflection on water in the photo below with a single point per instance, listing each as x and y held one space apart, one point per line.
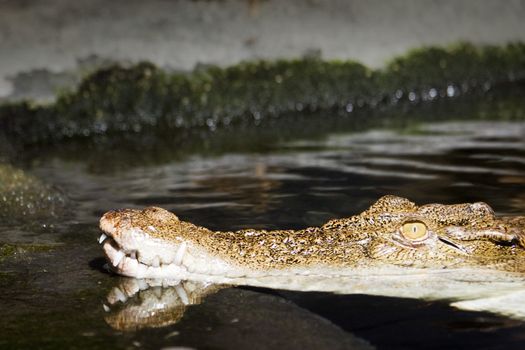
338 175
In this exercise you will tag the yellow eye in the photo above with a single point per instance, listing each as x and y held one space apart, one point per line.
414 230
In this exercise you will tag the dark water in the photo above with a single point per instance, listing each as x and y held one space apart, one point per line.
54 299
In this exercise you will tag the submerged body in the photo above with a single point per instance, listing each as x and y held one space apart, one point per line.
393 237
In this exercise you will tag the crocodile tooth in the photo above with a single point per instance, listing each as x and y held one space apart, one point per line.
179 289
120 295
155 262
180 254
102 238
143 284
106 308
119 255
141 271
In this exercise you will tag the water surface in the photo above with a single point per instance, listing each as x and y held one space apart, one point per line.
54 298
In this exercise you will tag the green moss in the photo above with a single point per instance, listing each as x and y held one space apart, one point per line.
142 97
463 65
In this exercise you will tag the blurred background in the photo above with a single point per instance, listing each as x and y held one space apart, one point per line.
46 45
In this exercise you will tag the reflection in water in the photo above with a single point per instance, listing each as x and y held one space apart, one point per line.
253 191
231 319
145 304
156 303
136 304
308 182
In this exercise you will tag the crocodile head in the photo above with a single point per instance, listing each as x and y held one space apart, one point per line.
394 233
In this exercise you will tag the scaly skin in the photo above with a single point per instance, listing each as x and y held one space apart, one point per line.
394 232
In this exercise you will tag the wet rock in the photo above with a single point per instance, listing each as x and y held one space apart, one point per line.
239 319
22 250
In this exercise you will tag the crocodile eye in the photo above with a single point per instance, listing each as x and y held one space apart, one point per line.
414 230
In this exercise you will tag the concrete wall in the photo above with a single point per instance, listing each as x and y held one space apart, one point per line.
45 44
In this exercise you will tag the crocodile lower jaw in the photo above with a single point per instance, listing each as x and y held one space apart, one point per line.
186 262
128 264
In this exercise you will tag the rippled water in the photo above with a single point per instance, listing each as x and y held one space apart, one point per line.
56 298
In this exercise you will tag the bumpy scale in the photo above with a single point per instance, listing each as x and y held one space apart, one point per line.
394 231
